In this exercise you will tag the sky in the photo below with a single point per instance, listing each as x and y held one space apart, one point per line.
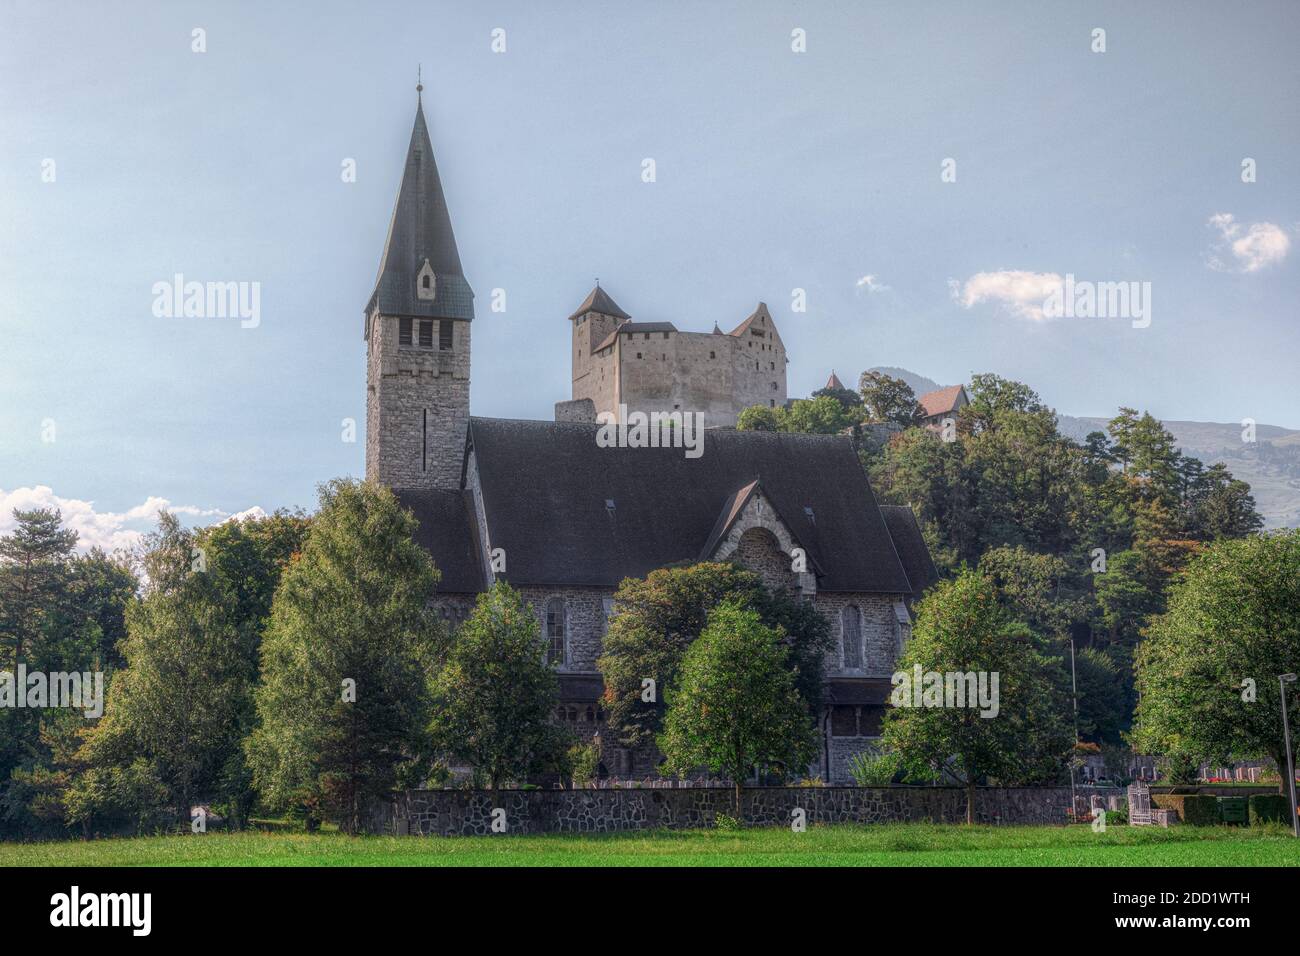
796 146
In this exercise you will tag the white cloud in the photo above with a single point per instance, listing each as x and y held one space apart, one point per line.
1023 293
872 284
109 530
1252 247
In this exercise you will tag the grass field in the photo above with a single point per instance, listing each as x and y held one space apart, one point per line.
893 845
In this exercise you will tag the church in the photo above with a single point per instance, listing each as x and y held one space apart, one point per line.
545 507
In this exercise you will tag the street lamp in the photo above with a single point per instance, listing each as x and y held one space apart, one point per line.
1283 680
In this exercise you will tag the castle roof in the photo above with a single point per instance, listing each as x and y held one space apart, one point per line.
419 232
743 326
942 400
834 381
448 530
631 327
555 521
599 301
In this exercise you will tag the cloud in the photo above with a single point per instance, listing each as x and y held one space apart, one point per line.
1251 247
109 530
1022 293
871 284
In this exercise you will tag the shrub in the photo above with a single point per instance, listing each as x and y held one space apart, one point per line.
723 821
872 768
1193 809
584 760
1268 808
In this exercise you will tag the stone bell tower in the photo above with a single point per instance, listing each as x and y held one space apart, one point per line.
417 336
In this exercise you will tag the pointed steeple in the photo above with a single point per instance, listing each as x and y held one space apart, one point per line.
599 301
834 381
420 233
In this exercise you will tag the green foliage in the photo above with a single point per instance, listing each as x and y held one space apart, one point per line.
1269 808
659 616
494 698
871 768
1201 811
961 627
759 418
111 799
734 705
584 760
889 399
33 575
1234 616
824 415
346 659
727 823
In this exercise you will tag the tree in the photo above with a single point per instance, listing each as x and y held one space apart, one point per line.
1207 671
889 399
346 660
849 400
961 628
734 705
182 702
759 418
659 616
33 574
495 697
817 416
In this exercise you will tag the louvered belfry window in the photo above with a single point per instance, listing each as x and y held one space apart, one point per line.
426 335
404 331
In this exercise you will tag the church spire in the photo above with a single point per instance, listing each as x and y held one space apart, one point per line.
420 272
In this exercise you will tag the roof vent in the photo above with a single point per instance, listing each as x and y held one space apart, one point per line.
609 504
807 510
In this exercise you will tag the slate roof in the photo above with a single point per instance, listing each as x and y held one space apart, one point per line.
545 487
940 400
633 327
448 530
599 301
910 545
421 229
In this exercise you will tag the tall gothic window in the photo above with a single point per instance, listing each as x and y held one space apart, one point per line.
556 652
851 637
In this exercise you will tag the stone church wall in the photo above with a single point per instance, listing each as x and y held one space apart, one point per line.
465 813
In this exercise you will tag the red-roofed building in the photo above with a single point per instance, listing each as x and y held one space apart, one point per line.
943 403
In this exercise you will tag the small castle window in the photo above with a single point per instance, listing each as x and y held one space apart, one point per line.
404 331
771 403
638 354
665 335
445 332
424 281
647 336
713 355
426 335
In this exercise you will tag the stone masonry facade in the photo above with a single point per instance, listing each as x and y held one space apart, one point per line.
417 403
468 813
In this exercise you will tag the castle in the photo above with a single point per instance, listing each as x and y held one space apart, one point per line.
564 520
652 367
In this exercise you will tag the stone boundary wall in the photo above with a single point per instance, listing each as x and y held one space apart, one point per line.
469 812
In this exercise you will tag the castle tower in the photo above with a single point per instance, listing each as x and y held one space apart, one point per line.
594 323
417 331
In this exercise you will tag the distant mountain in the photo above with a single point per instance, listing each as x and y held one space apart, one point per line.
917 383
1271 464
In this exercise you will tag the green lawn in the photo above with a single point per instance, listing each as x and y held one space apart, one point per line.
895 845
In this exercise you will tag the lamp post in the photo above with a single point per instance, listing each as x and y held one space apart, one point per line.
1282 681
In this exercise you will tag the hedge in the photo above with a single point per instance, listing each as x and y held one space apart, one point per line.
1193 809
1268 808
